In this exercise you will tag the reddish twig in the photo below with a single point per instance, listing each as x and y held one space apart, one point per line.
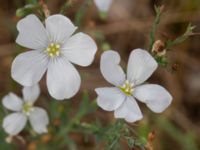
45 8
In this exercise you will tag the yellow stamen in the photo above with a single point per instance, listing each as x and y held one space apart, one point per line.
27 108
127 88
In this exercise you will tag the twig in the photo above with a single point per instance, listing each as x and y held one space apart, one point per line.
45 8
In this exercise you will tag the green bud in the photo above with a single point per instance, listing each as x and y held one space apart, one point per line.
103 15
105 46
27 9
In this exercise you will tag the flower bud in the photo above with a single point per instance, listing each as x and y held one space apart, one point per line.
159 48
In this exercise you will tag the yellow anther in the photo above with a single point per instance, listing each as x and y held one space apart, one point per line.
57 53
57 46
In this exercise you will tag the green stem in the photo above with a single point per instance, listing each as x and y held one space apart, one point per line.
182 38
155 26
81 12
65 6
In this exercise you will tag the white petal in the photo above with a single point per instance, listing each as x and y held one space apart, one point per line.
80 49
39 120
63 80
14 123
32 33
129 110
31 93
59 28
156 97
109 99
110 68
12 102
29 67
141 66
103 5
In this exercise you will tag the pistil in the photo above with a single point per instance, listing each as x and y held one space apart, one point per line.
53 50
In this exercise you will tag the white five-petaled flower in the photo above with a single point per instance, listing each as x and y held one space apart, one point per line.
53 49
23 111
121 98
103 5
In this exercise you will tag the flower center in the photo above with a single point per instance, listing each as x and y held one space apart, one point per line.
127 88
27 108
53 50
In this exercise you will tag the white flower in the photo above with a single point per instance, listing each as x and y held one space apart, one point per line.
23 111
53 49
121 98
103 5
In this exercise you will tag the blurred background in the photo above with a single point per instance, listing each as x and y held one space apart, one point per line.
127 27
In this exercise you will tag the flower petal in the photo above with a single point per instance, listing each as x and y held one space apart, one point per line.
80 49
39 120
63 80
129 110
109 98
31 93
141 66
32 33
59 28
155 96
12 102
29 67
110 68
14 123
103 5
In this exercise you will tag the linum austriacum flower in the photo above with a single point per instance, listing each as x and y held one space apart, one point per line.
23 111
121 98
53 49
